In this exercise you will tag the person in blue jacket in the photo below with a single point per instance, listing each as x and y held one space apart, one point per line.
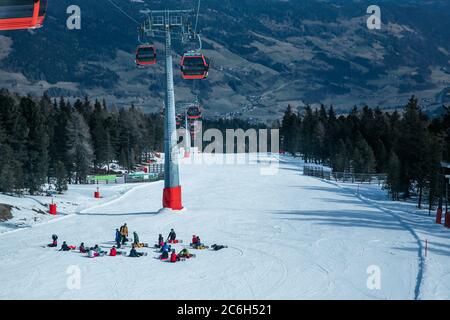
118 238
165 247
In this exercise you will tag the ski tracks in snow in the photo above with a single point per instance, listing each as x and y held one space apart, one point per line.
406 226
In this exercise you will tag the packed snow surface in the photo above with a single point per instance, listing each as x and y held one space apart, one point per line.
289 237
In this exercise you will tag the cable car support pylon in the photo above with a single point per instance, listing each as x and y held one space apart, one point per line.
168 23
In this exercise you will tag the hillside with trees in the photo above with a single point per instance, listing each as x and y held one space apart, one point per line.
408 146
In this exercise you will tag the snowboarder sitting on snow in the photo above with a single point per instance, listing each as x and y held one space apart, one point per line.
134 253
217 247
54 242
165 247
173 256
82 248
172 236
99 250
64 247
118 238
194 240
164 255
124 233
197 244
113 252
92 253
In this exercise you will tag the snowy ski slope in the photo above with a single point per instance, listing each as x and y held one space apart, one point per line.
289 237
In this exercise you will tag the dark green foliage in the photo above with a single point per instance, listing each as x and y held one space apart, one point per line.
48 141
61 177
407 147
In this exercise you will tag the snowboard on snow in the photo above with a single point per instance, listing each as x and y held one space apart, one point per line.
200 247
140 245
174 241
141 254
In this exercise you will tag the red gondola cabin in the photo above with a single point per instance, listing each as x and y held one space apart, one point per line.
194 113
22 14
145 55
194 66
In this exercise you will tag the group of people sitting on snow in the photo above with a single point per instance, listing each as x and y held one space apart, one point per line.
121 238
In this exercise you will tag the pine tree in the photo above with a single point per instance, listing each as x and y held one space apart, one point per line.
59 143
35 165
412 149
79 144
99 135
363 157
393 182
61 177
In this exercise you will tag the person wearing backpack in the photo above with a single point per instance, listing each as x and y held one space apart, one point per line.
124 233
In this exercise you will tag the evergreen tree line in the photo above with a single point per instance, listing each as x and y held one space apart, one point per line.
408 146
44 140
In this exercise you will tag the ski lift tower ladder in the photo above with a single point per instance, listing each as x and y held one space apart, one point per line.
164 24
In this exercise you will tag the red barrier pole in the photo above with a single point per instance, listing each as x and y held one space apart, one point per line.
53 209
97 193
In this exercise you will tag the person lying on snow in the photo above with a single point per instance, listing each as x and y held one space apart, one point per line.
185 254
124 233
54 241
118 238
134 253
217 247
172 237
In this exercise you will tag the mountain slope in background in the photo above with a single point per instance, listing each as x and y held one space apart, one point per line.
266 54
